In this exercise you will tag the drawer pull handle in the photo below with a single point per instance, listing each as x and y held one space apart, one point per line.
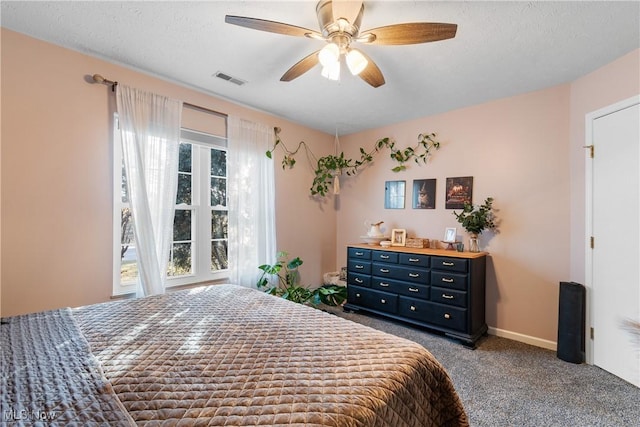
447 280
357 295
384 256
359 253
359 267
414 290
358 280
413 308
447 316
384 270
414 260
384 285
414 275
383 301
447 296
448 264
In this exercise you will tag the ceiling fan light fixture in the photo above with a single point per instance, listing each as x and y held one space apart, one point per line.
331 71
329 55
356 61
339 23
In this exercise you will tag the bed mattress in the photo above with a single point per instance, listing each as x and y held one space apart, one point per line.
226 355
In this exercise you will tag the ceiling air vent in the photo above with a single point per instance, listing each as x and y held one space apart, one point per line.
234 80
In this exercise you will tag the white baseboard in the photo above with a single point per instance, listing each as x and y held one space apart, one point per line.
538 342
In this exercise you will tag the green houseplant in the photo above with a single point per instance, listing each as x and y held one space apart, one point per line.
476 219
282 279
327 168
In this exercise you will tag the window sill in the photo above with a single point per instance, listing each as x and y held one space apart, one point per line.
129 294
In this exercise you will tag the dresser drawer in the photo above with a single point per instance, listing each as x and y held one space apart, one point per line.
358 279
414 259
449 280
448 316
358 253
415 291
368 298
358 296
400 287
385 256
413 308
357 266
399 272
449 264
449 296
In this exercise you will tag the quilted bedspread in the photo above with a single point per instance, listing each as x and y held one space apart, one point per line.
49 377
225 355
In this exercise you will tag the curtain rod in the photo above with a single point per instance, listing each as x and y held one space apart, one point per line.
97 78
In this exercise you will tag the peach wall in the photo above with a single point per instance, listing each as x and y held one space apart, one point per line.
525 151
608 85
516 149
56 177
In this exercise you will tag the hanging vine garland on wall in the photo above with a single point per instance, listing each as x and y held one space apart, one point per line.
331 166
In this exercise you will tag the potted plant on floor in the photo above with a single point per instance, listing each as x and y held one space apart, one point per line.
476 219
283 279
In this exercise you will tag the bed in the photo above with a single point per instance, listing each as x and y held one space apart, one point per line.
220 355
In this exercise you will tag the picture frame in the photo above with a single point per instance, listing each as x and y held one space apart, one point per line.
458 191
398 237
424 194
394 194
450 235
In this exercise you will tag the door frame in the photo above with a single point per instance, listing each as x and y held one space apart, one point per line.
588 203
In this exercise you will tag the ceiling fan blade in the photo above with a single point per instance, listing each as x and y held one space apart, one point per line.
371 74
301 67
410 33
346 9
271 26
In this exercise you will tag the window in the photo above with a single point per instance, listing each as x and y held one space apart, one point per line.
198 251
219 213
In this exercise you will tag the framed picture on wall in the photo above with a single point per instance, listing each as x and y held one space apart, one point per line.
458 191
394 194
398 237
424 194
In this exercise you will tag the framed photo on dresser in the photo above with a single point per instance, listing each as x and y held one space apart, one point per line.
398 237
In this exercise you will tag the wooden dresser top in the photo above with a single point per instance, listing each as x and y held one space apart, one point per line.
425 251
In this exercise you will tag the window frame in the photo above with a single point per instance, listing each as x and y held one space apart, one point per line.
200 211
201 215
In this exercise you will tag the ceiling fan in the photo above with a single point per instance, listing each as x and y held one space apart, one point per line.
340 27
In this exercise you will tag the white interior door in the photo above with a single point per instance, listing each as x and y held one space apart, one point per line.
615 259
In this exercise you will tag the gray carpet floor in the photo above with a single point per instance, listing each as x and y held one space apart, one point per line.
508 383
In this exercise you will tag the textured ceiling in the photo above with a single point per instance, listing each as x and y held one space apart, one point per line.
501 49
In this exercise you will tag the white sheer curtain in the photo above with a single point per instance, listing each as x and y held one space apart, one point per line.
252 229
150 128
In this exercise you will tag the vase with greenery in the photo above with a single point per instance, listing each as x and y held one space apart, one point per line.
282 279
476 219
